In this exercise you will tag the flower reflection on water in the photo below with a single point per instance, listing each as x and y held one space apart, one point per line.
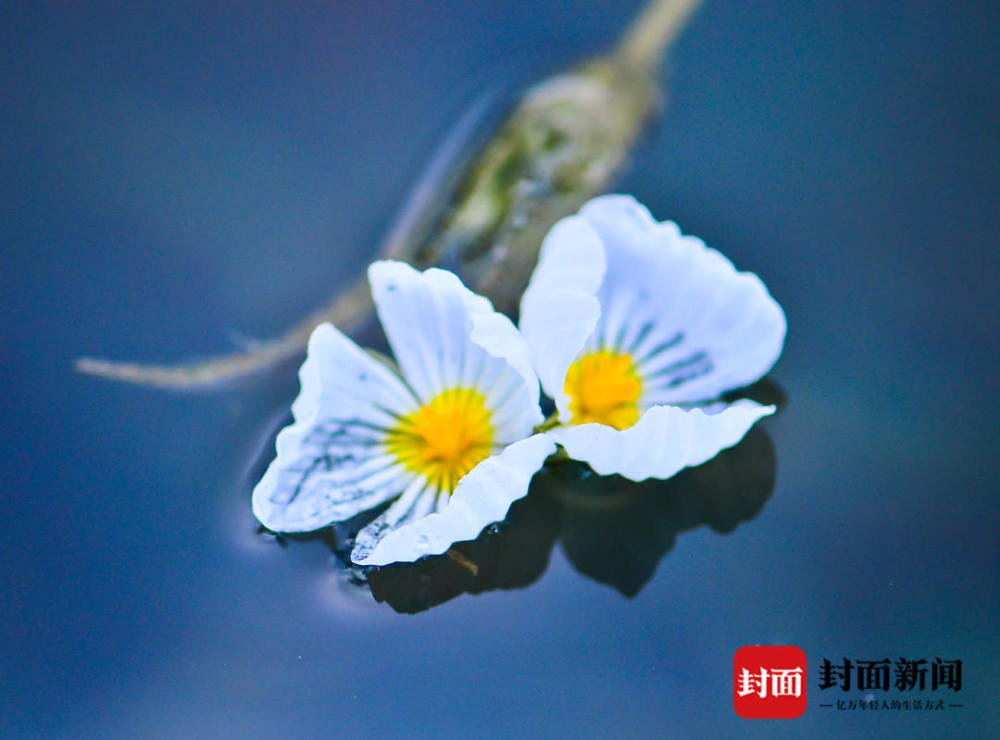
612 530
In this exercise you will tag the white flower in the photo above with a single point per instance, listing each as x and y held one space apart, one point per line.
635 331
449 438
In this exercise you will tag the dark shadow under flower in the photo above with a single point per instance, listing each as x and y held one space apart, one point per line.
612 530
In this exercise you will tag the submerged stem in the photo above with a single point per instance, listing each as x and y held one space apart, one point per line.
560 146
651 33
347 312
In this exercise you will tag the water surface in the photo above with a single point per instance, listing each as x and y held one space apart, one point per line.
173 178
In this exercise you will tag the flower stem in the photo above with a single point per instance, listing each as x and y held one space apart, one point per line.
568 137
652 32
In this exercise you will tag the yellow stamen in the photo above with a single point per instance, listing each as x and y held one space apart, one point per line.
604 387
445 438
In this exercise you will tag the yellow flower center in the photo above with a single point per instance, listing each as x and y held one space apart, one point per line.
604 387
445 438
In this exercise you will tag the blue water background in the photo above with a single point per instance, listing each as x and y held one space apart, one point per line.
172 176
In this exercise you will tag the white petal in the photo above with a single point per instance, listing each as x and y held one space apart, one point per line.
696 326
330 464
665 440
559 309
416 502
482 497
444 336
620 220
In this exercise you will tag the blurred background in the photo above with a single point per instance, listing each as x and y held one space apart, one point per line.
176 178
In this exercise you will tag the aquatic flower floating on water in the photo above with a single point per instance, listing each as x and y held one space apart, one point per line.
449 436
636 331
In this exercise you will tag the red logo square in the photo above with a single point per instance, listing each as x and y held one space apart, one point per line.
769 682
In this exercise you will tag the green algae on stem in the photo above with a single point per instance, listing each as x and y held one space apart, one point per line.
559 147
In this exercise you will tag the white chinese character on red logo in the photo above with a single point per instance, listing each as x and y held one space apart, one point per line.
784 682
768 682
751 683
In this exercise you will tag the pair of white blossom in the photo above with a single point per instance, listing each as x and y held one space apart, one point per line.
631 328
